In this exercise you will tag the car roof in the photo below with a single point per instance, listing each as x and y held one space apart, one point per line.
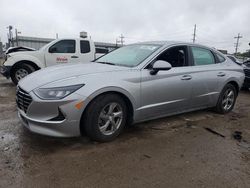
169 43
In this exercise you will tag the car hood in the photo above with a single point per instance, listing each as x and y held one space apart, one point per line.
62 72
23 53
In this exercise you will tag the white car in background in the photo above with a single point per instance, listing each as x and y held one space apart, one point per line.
61 51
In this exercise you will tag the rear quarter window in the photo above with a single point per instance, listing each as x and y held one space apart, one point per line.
85 46
220 58
202 56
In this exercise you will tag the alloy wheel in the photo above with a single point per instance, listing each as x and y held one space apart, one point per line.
21 73
110 118
228 99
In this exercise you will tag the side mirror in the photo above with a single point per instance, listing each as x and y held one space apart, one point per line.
52 50
160 65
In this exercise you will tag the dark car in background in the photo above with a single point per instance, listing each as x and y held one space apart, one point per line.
246 67
234 59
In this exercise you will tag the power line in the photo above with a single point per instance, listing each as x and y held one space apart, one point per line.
237 42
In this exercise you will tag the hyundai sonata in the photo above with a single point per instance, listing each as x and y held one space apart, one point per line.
134 83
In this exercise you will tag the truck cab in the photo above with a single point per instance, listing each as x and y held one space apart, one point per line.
59 51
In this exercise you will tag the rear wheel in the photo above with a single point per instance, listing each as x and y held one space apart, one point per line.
20 71
227 99
105 118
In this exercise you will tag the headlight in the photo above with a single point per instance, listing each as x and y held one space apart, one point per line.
56 92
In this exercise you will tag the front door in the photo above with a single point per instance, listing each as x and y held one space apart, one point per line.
168 91
64 51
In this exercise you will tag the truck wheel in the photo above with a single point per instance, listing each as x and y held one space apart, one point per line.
226 100
20 71
105 118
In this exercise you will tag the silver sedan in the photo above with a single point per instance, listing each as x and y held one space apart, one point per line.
134 83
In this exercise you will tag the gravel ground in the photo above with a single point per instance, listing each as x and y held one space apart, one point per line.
170 152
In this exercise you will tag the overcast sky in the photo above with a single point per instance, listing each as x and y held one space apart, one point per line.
218 21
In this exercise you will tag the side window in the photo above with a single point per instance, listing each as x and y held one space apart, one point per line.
176 56
85 46
220 58
63 46
232 58
202 56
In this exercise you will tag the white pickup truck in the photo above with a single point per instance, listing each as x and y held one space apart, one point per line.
20 64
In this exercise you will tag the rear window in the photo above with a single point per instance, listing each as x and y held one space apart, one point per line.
85 46
220 58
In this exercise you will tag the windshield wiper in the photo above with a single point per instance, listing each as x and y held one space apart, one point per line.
103 62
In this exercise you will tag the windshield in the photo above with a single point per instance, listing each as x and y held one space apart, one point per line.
129 56
45 46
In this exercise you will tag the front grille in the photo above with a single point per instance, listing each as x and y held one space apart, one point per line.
23 99
247 72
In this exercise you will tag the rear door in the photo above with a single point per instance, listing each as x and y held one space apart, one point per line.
63 51
205 74
86 51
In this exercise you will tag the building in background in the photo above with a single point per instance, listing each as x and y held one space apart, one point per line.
37 43
32 42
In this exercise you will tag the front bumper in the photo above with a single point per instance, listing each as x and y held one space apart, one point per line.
5 70
63 128
41 116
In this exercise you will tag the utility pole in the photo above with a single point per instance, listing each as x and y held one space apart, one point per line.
122 39
16 37
17 32
116 42
10 36
194 35
237 43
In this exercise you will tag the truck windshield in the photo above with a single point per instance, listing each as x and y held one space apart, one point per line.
129 56
45 46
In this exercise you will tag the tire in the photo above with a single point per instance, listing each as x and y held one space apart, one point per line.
103 124
20 71
226 99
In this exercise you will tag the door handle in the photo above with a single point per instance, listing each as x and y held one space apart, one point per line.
221 74
186 77
74 56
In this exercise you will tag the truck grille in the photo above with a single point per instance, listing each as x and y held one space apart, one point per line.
247 72
23 99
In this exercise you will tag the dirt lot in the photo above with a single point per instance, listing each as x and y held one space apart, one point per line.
170 152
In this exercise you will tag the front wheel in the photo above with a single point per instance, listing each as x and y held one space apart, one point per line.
227 99
105 118
20 71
